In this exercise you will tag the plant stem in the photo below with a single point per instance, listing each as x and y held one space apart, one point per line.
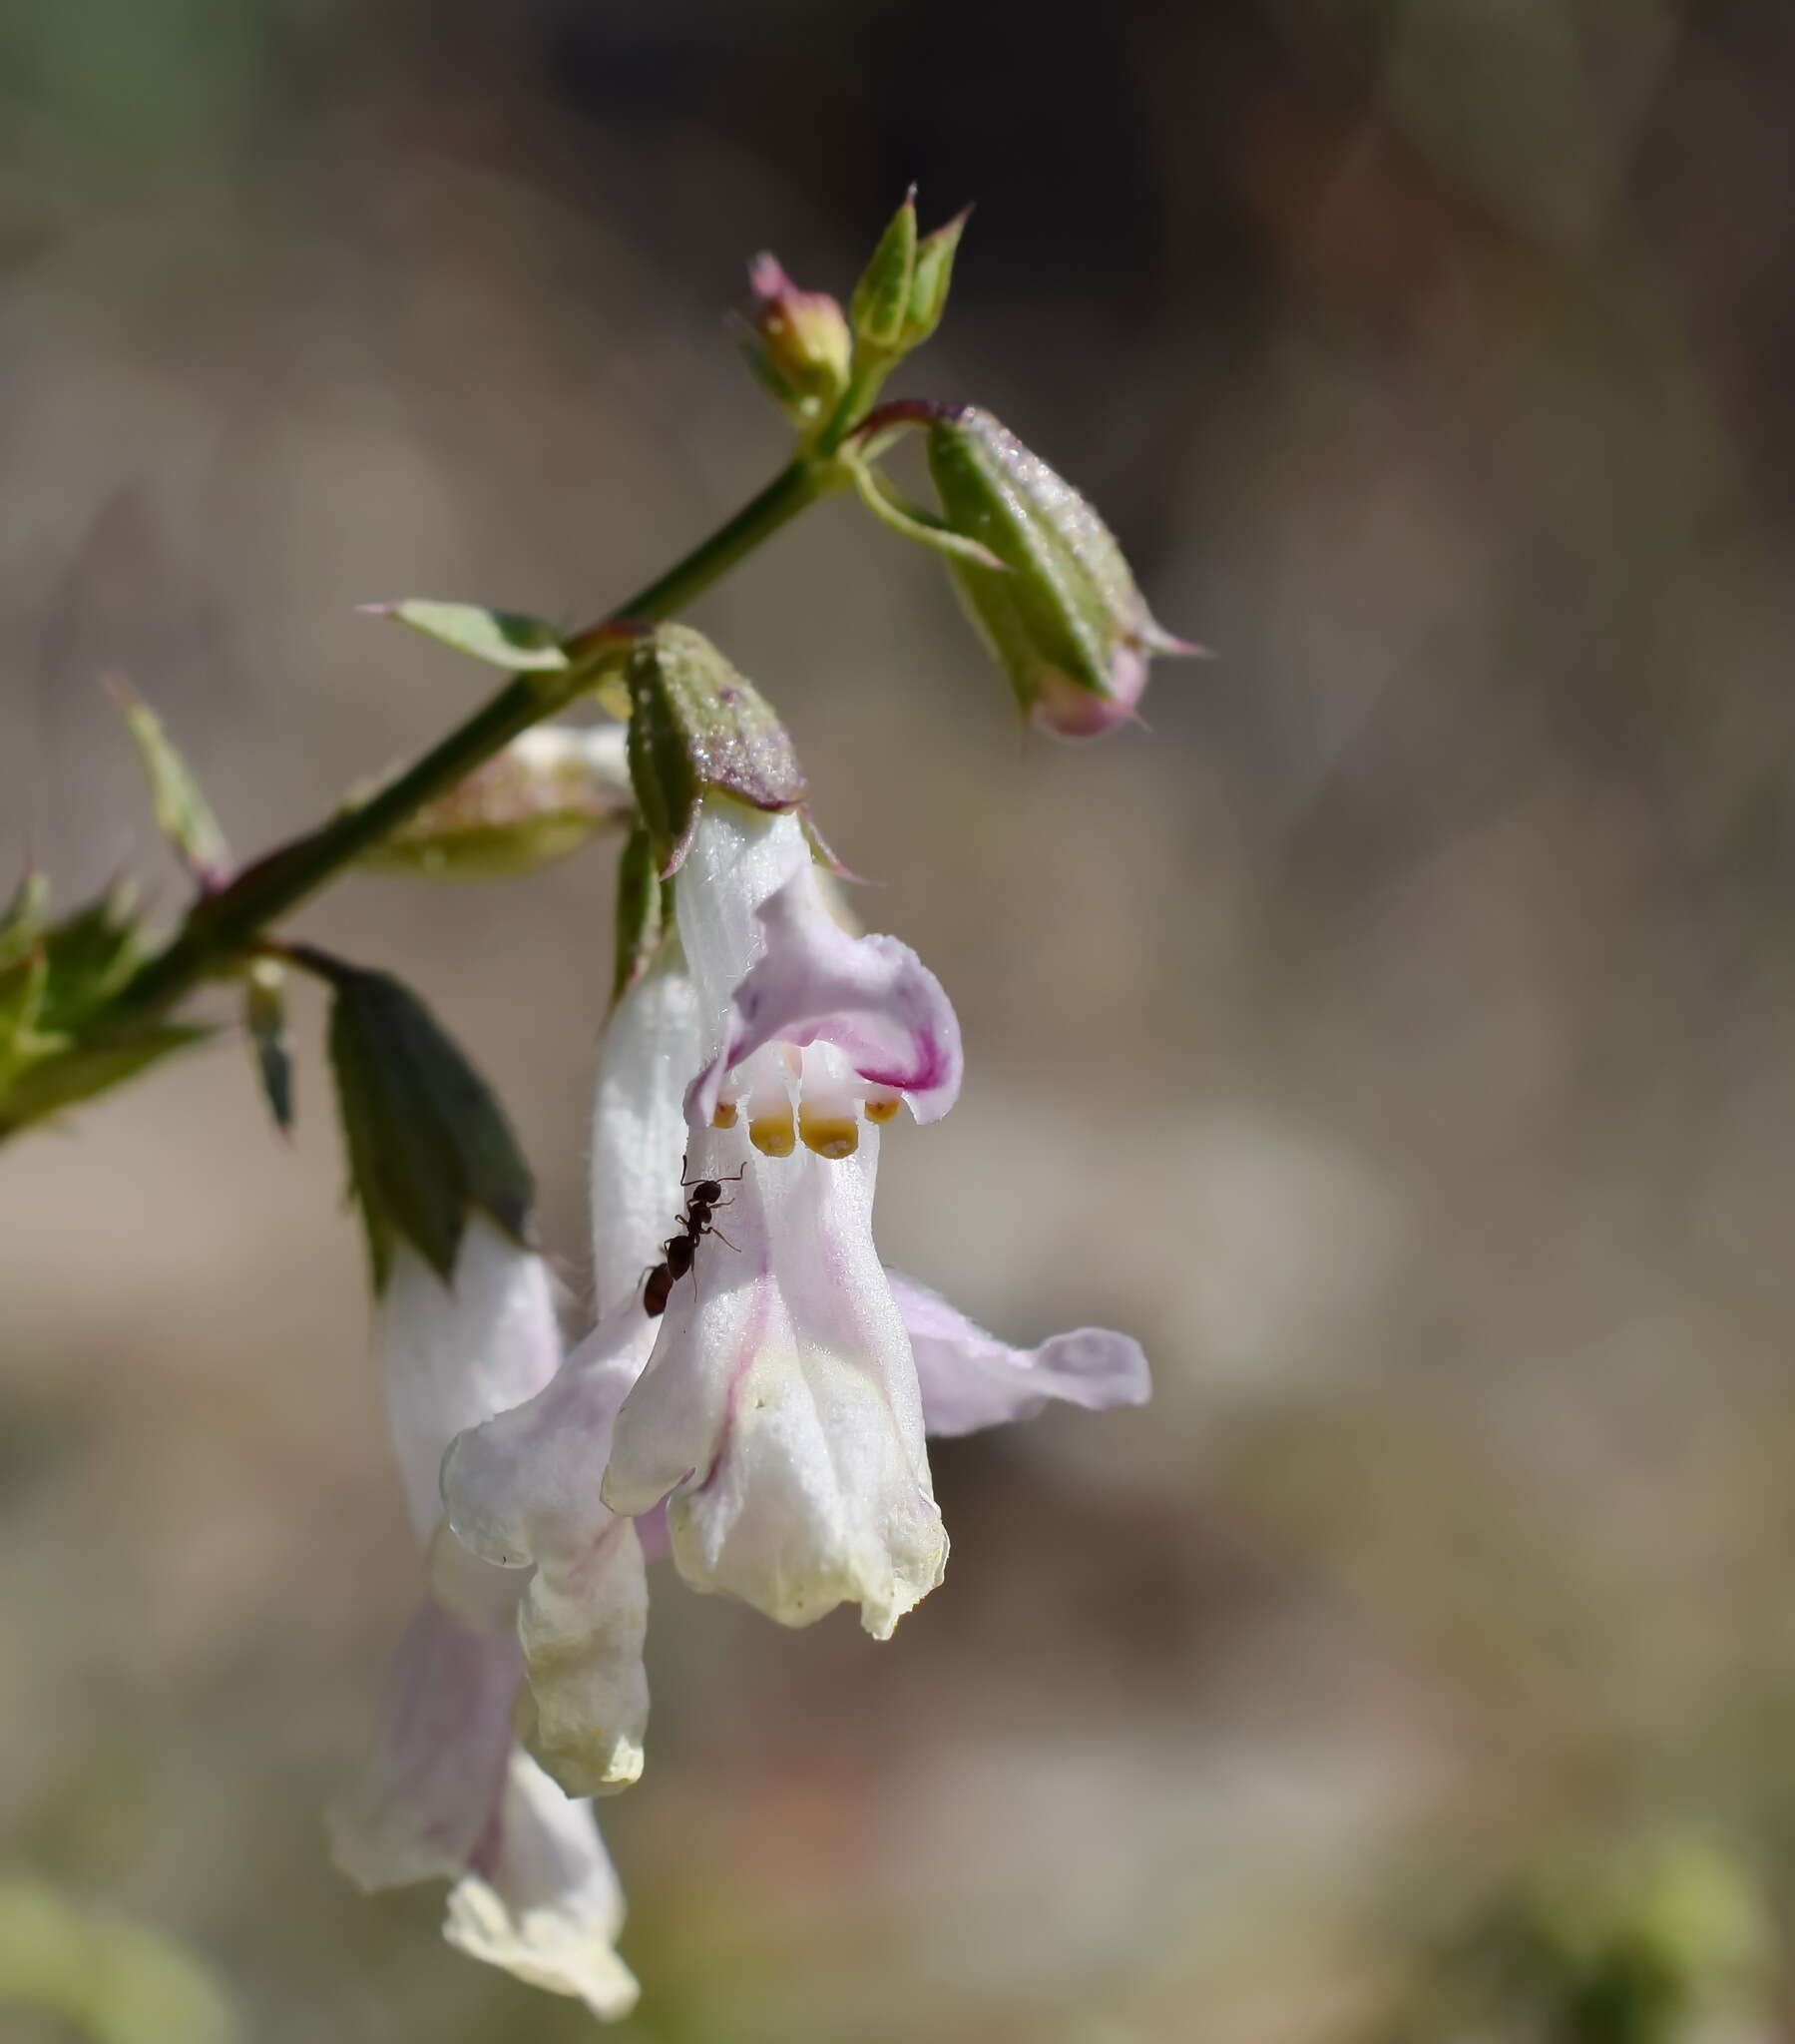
222 925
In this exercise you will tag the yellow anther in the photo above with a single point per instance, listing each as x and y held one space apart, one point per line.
829 1135
772 1134
726 1114
883 1110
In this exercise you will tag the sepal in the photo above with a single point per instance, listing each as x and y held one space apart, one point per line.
639 913
264 1018
696 725
428 1143
890 507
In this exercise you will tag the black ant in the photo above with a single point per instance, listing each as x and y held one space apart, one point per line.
677 1252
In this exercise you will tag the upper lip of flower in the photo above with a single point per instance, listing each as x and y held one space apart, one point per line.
870 999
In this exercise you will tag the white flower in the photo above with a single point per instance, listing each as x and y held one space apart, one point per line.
781 1416
446 1793
779 1413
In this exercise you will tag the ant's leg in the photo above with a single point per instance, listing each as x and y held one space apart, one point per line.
721 1237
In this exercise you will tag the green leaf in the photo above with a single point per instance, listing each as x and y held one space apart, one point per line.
881 300
101 1977
930 279
22 923
21 1003
181 812
505 638
264 1017
78 1071
90 954
697 725
640 906
428 1143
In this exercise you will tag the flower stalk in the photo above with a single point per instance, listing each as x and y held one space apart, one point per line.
224 926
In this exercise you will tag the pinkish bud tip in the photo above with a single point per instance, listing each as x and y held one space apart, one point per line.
766 275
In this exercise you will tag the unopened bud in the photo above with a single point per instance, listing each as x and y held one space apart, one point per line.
880 305
1063 614
798 343
930 277
548 793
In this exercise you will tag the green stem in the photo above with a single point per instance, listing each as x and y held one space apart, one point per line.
222 925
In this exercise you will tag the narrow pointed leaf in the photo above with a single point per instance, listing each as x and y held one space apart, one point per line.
183 814
90 954
82 1070
22 923
22 987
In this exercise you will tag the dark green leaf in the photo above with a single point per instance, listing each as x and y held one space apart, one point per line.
428 1143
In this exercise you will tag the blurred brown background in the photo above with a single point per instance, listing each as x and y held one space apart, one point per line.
1398 1039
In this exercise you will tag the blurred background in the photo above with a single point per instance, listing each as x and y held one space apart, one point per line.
1397 1039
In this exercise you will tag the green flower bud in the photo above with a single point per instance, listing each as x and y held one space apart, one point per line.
798 343
1061 615
546 795
880 305
929 277
696 724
